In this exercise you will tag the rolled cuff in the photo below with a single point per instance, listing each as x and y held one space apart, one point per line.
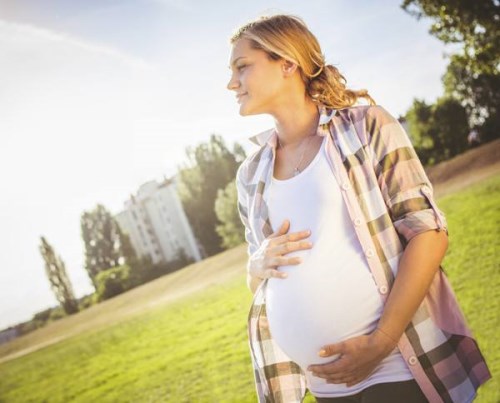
411 223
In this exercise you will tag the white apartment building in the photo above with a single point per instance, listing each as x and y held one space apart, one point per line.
156 223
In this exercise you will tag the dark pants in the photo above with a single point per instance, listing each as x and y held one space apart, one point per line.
391 392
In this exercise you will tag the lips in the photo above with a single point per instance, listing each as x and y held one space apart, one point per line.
239 96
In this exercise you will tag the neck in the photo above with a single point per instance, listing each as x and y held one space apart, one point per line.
295 122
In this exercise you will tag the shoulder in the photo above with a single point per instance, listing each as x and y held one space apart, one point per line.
364 121
373 120
379 116
368 113
372 117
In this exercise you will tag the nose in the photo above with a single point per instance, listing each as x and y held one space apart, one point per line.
233 84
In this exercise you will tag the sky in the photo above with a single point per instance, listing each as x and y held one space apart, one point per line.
98 97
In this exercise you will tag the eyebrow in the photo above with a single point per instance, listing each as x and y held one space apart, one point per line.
235 60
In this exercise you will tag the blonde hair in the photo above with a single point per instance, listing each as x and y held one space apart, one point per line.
287 37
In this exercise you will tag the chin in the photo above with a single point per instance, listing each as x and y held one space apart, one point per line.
246 111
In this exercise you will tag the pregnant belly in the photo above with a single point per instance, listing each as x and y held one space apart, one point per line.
320 304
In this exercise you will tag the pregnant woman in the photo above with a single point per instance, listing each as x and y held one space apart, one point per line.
345 240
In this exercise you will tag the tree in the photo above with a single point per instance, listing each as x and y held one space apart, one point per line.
472 76
471 23
478 93
211 167
106 246
449 127
231 229
58 278
419 118
438 131
127 250
112 282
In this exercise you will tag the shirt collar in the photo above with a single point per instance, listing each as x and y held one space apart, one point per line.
270 137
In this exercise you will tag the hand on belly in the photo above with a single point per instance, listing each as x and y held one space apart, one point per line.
318 305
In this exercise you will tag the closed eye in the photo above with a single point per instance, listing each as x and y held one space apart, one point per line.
240 67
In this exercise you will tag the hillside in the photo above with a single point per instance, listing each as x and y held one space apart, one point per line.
447 177
465 169
194 348
162 291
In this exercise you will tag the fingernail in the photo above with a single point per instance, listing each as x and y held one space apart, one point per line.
322 352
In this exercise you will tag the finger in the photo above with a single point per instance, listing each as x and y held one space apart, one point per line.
284 261
274 273
352 383
283 229
331 349
334 374
293 236
292 246
335 380
338 366
355 377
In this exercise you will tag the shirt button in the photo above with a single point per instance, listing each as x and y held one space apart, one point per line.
357 222
383 289
345 186
412 360
369 252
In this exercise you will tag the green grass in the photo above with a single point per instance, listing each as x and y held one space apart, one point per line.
195 349
472 264
192 350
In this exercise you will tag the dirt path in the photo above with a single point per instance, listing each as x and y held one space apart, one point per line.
465 169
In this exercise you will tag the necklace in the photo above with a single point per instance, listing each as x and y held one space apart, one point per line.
296 170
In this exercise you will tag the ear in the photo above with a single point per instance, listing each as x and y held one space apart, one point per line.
288 68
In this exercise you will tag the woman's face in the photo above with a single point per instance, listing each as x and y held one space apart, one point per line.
258 82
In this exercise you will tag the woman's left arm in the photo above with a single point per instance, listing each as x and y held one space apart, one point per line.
360 355
417 267
407 192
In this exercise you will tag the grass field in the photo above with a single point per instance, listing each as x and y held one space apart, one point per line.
194 348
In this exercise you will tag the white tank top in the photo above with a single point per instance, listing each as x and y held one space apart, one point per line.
331 296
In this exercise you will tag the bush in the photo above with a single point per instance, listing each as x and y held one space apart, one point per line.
85 302
112 282
42 316
150 271
119 279
27 327
57 313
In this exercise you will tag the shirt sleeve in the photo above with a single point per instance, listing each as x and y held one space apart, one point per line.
242 190
405 187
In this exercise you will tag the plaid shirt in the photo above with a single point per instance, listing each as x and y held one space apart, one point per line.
390 200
